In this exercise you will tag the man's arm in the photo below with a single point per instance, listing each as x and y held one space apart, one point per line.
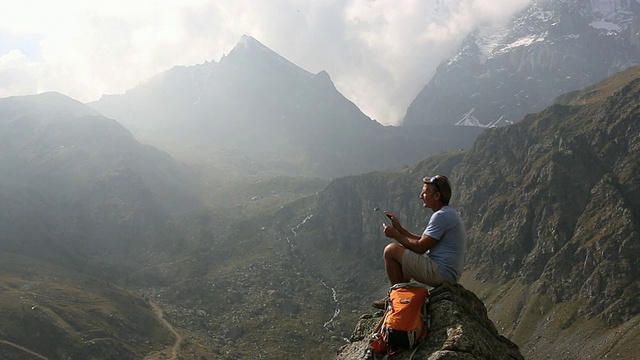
407 234
414 243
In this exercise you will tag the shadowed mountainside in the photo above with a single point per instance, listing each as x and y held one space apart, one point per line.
76 180
551 208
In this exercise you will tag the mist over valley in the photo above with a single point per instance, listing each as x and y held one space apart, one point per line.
225 210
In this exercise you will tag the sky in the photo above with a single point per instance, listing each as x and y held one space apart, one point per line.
379 53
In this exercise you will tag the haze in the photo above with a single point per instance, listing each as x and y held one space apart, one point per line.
379 53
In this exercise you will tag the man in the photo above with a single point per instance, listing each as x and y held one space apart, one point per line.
436 256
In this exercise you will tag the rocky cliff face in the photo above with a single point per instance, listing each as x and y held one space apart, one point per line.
554 200
460 329
552 212
552 47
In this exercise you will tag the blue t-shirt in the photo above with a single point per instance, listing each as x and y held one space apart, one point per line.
446 227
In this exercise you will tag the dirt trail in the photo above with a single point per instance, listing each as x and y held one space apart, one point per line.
179 339
23 349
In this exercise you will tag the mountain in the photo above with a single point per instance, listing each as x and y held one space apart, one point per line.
258 111
552 212
83 206
102 235
553 208
550 48
75 181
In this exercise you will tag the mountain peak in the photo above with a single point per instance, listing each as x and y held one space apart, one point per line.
251 51
547 49
248 40
248 46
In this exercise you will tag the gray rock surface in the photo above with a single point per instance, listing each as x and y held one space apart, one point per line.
460 329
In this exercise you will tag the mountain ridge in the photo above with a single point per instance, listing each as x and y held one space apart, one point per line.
256 103
552 213
550 48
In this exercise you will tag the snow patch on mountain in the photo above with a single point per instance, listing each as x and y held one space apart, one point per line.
469 120
611 15
528 28
524 41
606 26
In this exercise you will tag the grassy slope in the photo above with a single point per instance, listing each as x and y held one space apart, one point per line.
544 330
248 293
54 312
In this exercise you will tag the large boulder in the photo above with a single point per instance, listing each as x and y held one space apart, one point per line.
460 329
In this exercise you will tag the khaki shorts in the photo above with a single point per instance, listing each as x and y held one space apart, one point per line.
421 268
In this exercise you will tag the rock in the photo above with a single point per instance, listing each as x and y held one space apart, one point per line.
460 329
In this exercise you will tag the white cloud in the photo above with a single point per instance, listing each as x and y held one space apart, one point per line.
16 75
380 53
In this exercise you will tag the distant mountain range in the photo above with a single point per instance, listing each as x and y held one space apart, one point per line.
256 103
75 179
550 48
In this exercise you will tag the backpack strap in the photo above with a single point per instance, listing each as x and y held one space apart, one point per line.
426 317
414 350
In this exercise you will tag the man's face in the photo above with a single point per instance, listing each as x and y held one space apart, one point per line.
428 196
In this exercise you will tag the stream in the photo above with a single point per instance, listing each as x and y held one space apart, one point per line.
329 324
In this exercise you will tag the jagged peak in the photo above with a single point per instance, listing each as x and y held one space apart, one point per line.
324 77
248 48
249 44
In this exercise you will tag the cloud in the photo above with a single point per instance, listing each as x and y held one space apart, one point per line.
379 53
17 75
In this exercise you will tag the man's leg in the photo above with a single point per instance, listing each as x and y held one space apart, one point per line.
393 263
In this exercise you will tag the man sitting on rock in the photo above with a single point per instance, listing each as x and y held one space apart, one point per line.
437 256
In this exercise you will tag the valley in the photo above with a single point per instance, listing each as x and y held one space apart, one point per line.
232 217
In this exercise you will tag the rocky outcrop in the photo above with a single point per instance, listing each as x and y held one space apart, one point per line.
460 329
554 200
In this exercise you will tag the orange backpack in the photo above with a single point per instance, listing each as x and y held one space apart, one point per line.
405 322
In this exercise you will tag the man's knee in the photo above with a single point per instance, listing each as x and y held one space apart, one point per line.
394 251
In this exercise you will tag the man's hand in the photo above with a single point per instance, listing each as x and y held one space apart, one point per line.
394 220
391 231
402 232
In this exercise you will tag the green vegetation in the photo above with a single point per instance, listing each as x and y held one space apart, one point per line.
51 311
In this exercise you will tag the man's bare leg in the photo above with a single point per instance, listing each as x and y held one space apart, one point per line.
393 263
